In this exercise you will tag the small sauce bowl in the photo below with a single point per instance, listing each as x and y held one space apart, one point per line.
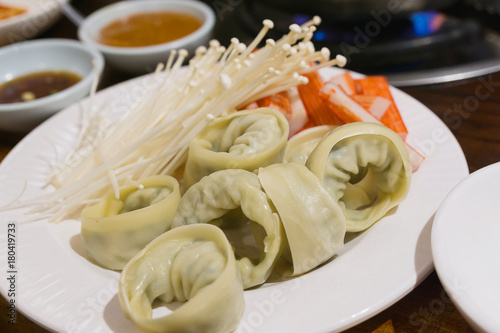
42 55
143 59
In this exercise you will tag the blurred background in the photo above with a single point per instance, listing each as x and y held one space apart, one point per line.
412 42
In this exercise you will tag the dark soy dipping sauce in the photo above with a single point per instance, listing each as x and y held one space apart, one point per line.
36 85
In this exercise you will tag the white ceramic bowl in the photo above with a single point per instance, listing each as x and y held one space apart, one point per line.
144 59
466 247
41 55
40 15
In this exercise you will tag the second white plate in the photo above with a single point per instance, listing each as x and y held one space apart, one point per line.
466 247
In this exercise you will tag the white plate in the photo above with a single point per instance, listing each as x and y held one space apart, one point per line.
40 15
58 288
466 247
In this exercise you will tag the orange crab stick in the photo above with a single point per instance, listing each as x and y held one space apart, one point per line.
299 114
251 106
346 82
345 108
278 101
317 111
350 111
376 105
378 86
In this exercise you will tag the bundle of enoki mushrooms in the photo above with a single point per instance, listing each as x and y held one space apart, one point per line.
153 136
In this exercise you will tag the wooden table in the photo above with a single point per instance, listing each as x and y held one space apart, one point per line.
476 126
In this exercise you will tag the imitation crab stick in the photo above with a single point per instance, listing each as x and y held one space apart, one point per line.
317 111
346 82
251 106
378 86
350 111
278 101
345 107
299 113
376 105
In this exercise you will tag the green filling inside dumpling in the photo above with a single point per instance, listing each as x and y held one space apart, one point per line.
365 166
144 198
245 236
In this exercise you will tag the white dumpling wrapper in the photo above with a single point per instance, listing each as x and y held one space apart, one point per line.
301 145
221 193
114 230
365 166
313 221
241 140
192 264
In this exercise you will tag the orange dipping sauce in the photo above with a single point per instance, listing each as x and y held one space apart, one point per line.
148 29
6 12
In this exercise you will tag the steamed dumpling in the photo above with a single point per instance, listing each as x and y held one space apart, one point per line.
301 145
242 140
313 221
230 197
194 264
114 230
365 166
